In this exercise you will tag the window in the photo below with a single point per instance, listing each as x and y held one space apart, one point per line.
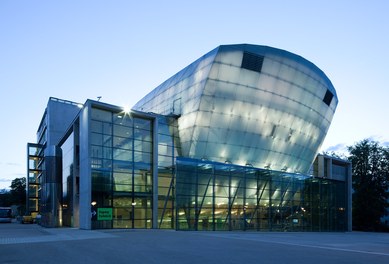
328 97
252 62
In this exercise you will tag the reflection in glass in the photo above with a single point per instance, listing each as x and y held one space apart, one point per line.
121 152
214 196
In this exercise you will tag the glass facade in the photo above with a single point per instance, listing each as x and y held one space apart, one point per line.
217 196
121 168
34 173
168 149
67 180
139 178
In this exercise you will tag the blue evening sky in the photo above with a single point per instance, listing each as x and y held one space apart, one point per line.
121 50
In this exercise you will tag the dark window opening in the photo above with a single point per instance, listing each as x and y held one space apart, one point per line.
252 62
328 98
273 131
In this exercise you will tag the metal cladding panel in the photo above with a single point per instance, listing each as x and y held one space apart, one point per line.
179 94
60 115
272 111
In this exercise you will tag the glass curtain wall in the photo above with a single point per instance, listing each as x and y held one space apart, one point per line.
121 163
168 149
216 196
34 170
67 180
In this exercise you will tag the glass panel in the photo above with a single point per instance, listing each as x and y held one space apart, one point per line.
122 154
122 142
144 146
102 115
142 157
140 134
142 124
122 131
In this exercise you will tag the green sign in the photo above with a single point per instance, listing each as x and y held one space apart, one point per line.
104 214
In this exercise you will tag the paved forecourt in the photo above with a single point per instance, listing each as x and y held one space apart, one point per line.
32 243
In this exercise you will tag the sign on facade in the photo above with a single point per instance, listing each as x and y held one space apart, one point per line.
104 214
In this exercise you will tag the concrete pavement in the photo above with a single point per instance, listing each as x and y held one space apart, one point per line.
34 244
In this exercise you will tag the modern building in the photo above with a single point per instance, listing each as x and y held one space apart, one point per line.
228 143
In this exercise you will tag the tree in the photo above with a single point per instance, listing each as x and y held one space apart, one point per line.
18 191
370 164
334 154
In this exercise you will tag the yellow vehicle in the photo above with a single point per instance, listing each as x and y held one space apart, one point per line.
29 218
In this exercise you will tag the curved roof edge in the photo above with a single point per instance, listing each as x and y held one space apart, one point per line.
256 49
188 70
263 50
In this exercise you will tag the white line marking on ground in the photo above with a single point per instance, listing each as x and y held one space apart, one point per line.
303 245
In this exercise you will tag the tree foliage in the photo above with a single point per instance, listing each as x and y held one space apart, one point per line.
15 196
18 191
370 163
